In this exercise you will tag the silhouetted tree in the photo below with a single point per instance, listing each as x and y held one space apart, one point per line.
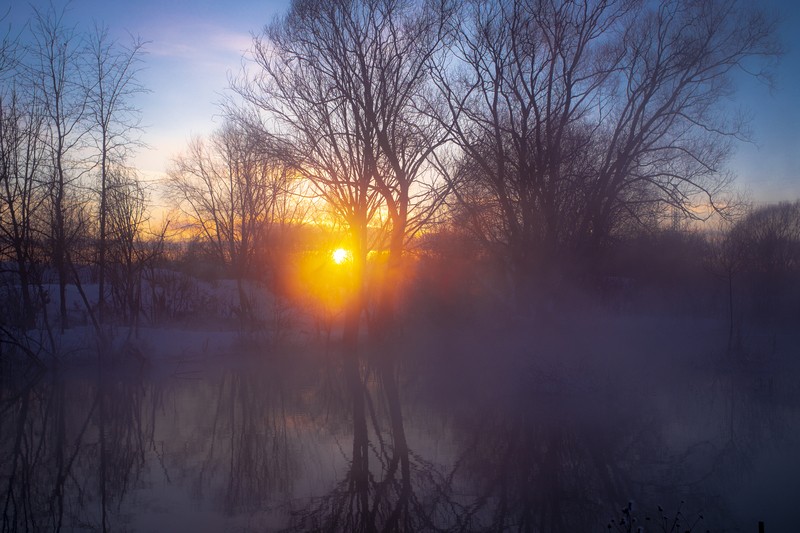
726 260
340 84
69 96
306 92
768 244
232 188
576 118
55 70
133 245
22 198
112 80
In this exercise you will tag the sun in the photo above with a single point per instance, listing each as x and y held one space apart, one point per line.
340 255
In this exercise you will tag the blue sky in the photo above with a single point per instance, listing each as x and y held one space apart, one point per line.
192 48
195 45
770 166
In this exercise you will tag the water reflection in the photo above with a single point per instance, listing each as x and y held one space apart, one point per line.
366 444
72 448
247 456
544 468
385 486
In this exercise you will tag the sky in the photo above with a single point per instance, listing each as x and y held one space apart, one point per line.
769 166
192 48
195 45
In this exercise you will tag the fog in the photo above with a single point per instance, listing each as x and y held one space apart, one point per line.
443 266
523 424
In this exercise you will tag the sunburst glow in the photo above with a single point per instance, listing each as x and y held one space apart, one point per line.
340 255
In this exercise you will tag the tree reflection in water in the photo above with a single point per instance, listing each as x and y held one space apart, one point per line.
539 457
386 486
71 449
533 464
542 466
74 445
236 447
247 458
520 470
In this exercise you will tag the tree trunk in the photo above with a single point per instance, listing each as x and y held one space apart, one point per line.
730 310
101 250
59 242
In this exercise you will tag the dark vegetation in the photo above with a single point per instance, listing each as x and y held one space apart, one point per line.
527 178
529 156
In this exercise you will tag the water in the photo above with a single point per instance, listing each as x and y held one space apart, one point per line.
452 437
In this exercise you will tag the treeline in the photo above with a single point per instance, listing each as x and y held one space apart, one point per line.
544 130
746 271
68 197
538 136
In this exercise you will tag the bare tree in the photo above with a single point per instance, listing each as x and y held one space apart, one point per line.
670 134
112 78
578 117
22 154
305 92
132 244
342 85
23 200
529 76
56 72
66 111
767 241
726 259
393 51
232 189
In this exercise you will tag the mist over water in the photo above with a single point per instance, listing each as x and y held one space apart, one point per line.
533 425
442 266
